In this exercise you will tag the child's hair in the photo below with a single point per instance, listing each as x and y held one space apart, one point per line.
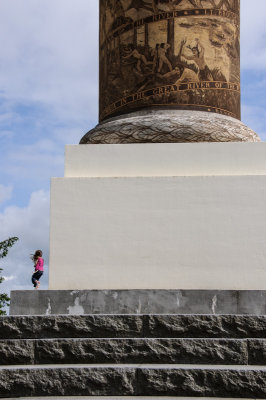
38 253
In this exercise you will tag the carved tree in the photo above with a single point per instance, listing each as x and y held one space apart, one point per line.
171 37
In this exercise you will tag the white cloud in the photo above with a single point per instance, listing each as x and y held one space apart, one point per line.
50 54
5 193
9 278
253 31
33 160
49 86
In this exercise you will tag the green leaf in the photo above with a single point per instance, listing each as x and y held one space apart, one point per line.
4 248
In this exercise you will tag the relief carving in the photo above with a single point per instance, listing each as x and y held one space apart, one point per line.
169 53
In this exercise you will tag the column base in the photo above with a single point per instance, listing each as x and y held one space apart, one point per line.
170 126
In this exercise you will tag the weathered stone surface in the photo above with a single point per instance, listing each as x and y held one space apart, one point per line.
200 383
132 381
132 351
135 351
257 352
45 302
16 352
133 339
170 126
70 326
67 382
133 326
223 326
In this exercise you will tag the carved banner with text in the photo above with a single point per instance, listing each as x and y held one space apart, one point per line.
182 54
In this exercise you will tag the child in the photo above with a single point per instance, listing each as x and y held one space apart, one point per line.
38 265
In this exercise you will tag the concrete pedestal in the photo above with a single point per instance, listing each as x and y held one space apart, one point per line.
140 302
160 216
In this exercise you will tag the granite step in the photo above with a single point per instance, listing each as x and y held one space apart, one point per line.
145 380
133 326
123 398
135 351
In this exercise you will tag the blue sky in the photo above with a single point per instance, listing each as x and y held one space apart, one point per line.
49 98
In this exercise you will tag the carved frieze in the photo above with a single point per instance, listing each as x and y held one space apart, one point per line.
181 54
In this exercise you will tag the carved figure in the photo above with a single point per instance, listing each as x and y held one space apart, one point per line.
155 56
198 60
162 50
140 57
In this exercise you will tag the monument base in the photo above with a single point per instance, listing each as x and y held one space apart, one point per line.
160 216
170 126
79 302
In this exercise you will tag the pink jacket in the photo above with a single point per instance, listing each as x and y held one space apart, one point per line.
39 264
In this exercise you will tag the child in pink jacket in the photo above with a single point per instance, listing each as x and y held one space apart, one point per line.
38 265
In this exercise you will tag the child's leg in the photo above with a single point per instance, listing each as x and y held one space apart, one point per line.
38 276
34 279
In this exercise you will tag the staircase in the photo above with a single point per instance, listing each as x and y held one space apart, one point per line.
133 355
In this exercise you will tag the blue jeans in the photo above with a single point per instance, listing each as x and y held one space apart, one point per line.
35 277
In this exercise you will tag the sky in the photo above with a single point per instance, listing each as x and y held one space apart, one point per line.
49 98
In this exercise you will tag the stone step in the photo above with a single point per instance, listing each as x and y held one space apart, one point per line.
196 381
134 351
123 398
133 326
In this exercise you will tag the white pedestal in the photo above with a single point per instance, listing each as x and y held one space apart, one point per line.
160 216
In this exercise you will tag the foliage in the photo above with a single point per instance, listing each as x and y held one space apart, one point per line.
4 248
